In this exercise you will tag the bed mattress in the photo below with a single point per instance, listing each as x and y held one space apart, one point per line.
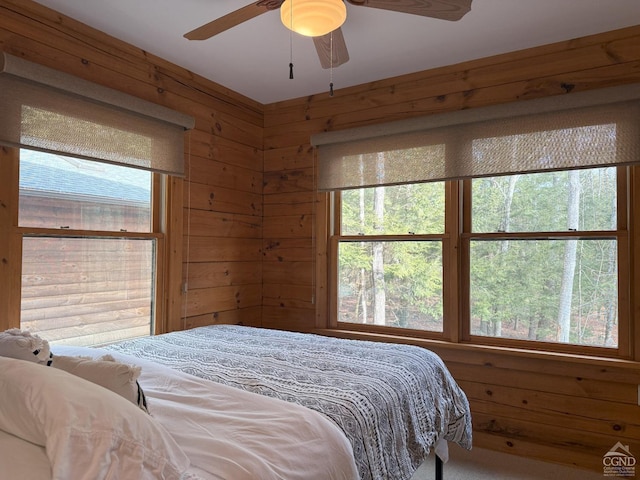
395 403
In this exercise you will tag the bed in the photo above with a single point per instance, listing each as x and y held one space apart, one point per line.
55 425
394 403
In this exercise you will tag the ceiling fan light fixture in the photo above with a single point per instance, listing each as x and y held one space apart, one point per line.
313 18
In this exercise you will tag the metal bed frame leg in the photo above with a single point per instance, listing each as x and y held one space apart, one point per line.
438 468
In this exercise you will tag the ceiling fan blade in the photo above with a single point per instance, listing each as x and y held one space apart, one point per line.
325 49
232 19
442 9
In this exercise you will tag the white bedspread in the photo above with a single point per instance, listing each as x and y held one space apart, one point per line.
228 434
395 403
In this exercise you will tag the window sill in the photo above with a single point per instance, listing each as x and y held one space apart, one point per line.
577 365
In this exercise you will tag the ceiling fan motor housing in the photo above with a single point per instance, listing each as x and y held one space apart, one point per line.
313 18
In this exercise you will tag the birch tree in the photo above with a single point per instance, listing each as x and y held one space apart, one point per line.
569 265
379 293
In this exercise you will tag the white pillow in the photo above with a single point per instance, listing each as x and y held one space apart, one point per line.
108 373
88 431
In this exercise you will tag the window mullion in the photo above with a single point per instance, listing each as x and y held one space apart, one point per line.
452 276
463 287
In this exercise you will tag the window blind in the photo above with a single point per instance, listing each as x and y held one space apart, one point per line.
48 110
586 129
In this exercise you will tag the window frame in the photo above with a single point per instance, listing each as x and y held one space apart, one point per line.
448 240
11 240
457 238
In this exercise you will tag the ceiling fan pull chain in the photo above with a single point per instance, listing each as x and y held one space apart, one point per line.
331 64
291 43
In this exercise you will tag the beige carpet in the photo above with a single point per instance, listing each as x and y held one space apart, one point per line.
481 464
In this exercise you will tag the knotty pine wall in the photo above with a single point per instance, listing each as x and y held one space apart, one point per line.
554 407
250 255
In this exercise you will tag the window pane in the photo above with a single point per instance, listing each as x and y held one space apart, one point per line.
396 210
562 291
64 192
583 200
87 291
396 284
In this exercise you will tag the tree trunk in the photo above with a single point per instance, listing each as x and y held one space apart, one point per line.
612 306
533 328
504 246
379 293
363 272
506 211
569 267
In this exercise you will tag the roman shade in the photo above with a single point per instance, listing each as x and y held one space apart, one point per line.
48 110
578 130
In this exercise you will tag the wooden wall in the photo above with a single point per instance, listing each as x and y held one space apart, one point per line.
249 210
554 407
221 208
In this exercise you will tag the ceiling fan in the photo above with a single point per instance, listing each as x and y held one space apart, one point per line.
331 47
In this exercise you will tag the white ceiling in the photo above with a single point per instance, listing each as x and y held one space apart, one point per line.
253 58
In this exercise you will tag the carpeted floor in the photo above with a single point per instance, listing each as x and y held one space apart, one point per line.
481 464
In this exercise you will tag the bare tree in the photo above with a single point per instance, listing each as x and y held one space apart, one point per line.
569 264
611 305
504 227
379 293
363 271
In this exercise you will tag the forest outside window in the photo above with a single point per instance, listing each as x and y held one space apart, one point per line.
390 256
539 258
543 257
487 227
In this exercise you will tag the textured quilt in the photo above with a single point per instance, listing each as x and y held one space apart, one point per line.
393 402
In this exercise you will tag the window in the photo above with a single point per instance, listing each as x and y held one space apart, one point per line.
539 260
543 257
390 256
86 206
488 227
88 249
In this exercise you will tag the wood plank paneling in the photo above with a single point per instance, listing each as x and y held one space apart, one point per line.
248 203
218 274
220 249
618 392
214 173
283 317
288 250
290 295
205 300
216 198
213 147
213 224
293 203
293 226
288 158
288 273
289 181
251 316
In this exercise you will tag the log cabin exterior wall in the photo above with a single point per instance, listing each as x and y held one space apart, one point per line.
553 407
249 206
